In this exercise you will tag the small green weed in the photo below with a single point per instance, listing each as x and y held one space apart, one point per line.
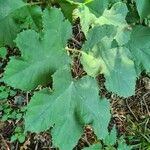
18 135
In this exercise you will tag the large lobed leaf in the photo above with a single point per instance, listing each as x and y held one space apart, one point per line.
139 46
143 8
41 54
114 62
114 16
15 15
98 6
72 105
8 27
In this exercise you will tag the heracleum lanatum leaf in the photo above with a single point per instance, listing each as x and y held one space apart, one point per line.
41 54
15 15
68 108
115 63
98 6
8 27
143 8
9 6
139 46
114 16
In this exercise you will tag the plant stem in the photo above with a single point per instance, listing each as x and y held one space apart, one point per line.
72 50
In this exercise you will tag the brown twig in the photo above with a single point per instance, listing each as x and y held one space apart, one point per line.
17 144
131 110
36 146
146 103
5 143
77 42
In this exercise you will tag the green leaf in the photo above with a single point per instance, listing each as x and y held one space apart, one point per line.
91 64
114 63
8 27
21 138
8 6
139 46
122 145
111 139
94 147
98 6
41 54
3 93
96 34
87 18
14 17
72 105
143 8
13 138
120 72
115 16
67 9
29 17
3 52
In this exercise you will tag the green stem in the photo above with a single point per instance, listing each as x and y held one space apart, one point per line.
72 50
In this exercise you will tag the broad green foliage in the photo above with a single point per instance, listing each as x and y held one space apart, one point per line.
115 16
42 54
114 60
91 64
143 8
7 7
114 63
15 15
67 7
72 105
98 6
139 46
